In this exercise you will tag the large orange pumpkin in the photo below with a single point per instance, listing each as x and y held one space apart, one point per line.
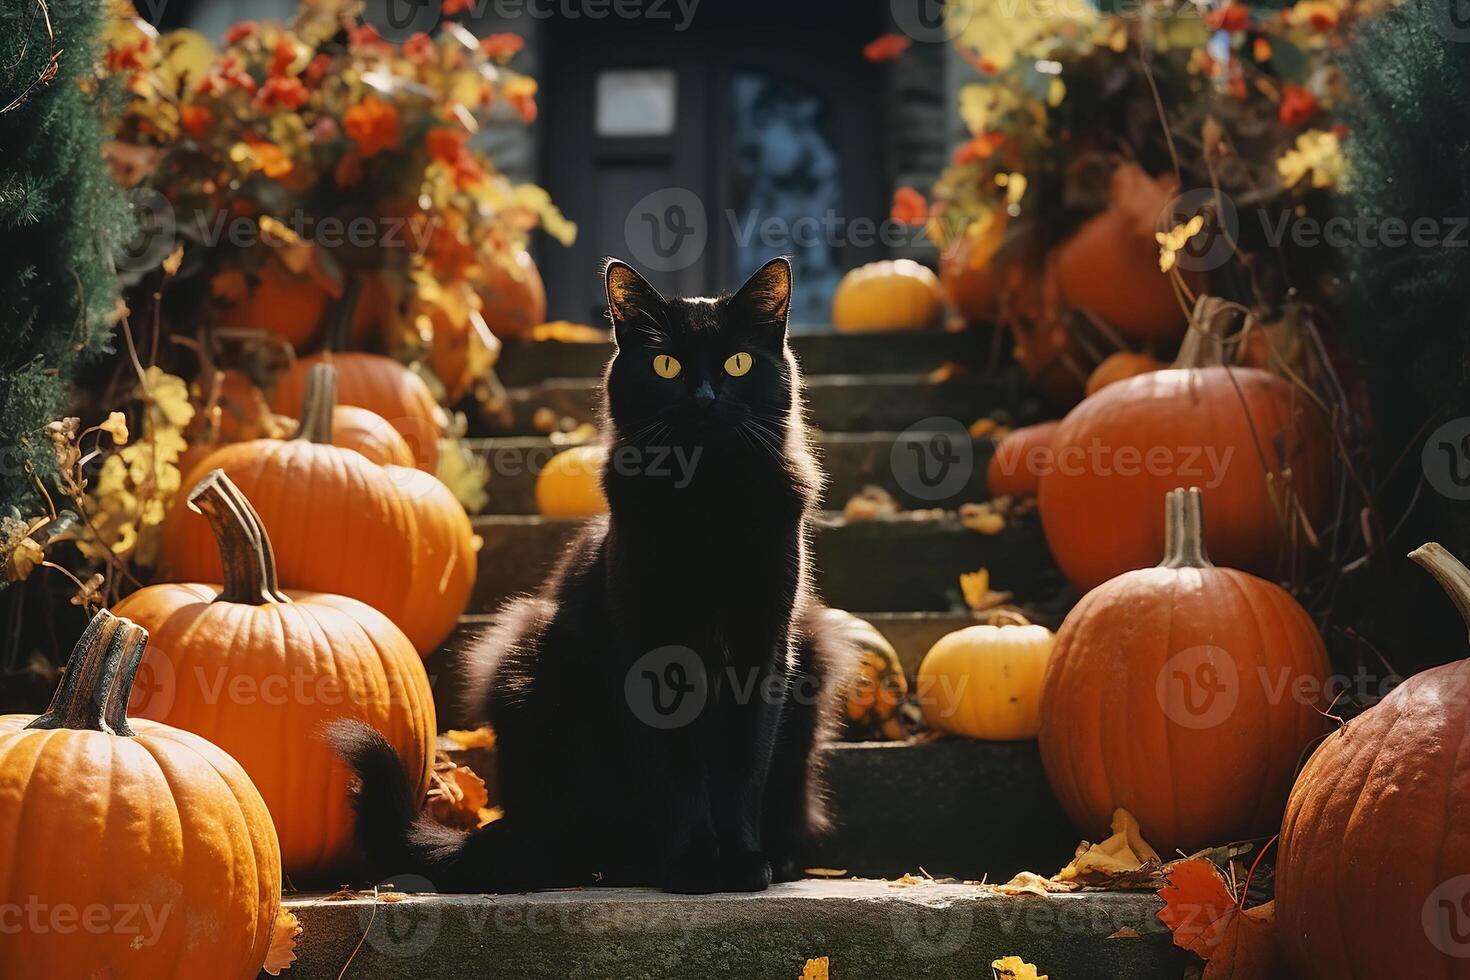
512 295
1256 445
1019 461
382 386
1110 267
393 537
1183 693
291 305
130 850
258 672
967 271
1373 878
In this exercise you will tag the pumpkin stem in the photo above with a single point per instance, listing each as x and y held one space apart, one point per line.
317 404
1184 530
99 672
245 552
1204 343
1007 617
1447 570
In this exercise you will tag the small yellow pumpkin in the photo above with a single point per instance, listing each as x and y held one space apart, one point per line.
570 485
899 294
985 681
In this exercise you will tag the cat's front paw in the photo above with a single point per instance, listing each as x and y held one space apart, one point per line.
744 871
697 871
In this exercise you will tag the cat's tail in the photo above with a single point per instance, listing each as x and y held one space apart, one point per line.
397 839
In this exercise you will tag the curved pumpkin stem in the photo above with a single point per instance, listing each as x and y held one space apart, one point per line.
1184 530
1007 617
245 553
1447 570
317 404
1204 343
98 681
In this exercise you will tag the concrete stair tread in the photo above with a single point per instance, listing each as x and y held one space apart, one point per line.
867 929
882 565
524 363
851 461
838 403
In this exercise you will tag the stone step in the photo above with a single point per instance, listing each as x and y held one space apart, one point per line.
868 930
852 460
526 363
886 565
836 403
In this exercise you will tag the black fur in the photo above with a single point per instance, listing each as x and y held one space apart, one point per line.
712 484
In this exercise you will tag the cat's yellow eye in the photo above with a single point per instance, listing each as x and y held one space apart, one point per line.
737 365
667 367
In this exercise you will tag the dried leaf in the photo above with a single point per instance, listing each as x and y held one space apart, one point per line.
1123 853
1197 905
1015 968
282 951
826 872
1248 948
815 969
456 796
477 738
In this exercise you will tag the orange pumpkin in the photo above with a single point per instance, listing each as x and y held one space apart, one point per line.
890 295
513 298
132 850
291 305
382 386
570 484
1374 870
1248 437
288 662
392 537
1184 693
1019 461
1117 367
966 268
1110 267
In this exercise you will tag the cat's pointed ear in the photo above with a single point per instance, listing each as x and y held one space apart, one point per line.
635 307
764 302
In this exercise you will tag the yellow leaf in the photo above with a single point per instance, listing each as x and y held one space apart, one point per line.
477 738
1015 968
117 427
282 951
174 260
975 586
815 969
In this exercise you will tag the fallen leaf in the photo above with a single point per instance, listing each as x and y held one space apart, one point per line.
1121 854
1127 932
815 969
826 872
1015 968
478 738
1031 883
1197 905
282 952
456 795
1248 948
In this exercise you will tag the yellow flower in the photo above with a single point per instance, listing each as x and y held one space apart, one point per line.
1172 242
117 427
1317 155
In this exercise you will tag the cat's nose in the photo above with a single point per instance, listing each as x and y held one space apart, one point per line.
704 395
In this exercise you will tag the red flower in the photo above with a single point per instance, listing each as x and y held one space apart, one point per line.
419 48
445 143
196 120
283 56
1297 105
909 207
886 48
238 33
283 93
1231 17
502 46
317 70
373 125
366 38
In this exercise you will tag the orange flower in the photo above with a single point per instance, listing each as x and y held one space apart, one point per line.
445 143
270 159
419 48
283 56
373 125
981 147
520 92
909 207
282 93
1231 17
240 32
365 37
886 48
502 46
1297 105
196 120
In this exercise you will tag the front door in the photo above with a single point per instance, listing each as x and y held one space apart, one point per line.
697 154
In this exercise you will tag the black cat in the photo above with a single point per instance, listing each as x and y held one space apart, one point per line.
660 703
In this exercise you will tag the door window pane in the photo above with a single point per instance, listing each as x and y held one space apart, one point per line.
636 102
